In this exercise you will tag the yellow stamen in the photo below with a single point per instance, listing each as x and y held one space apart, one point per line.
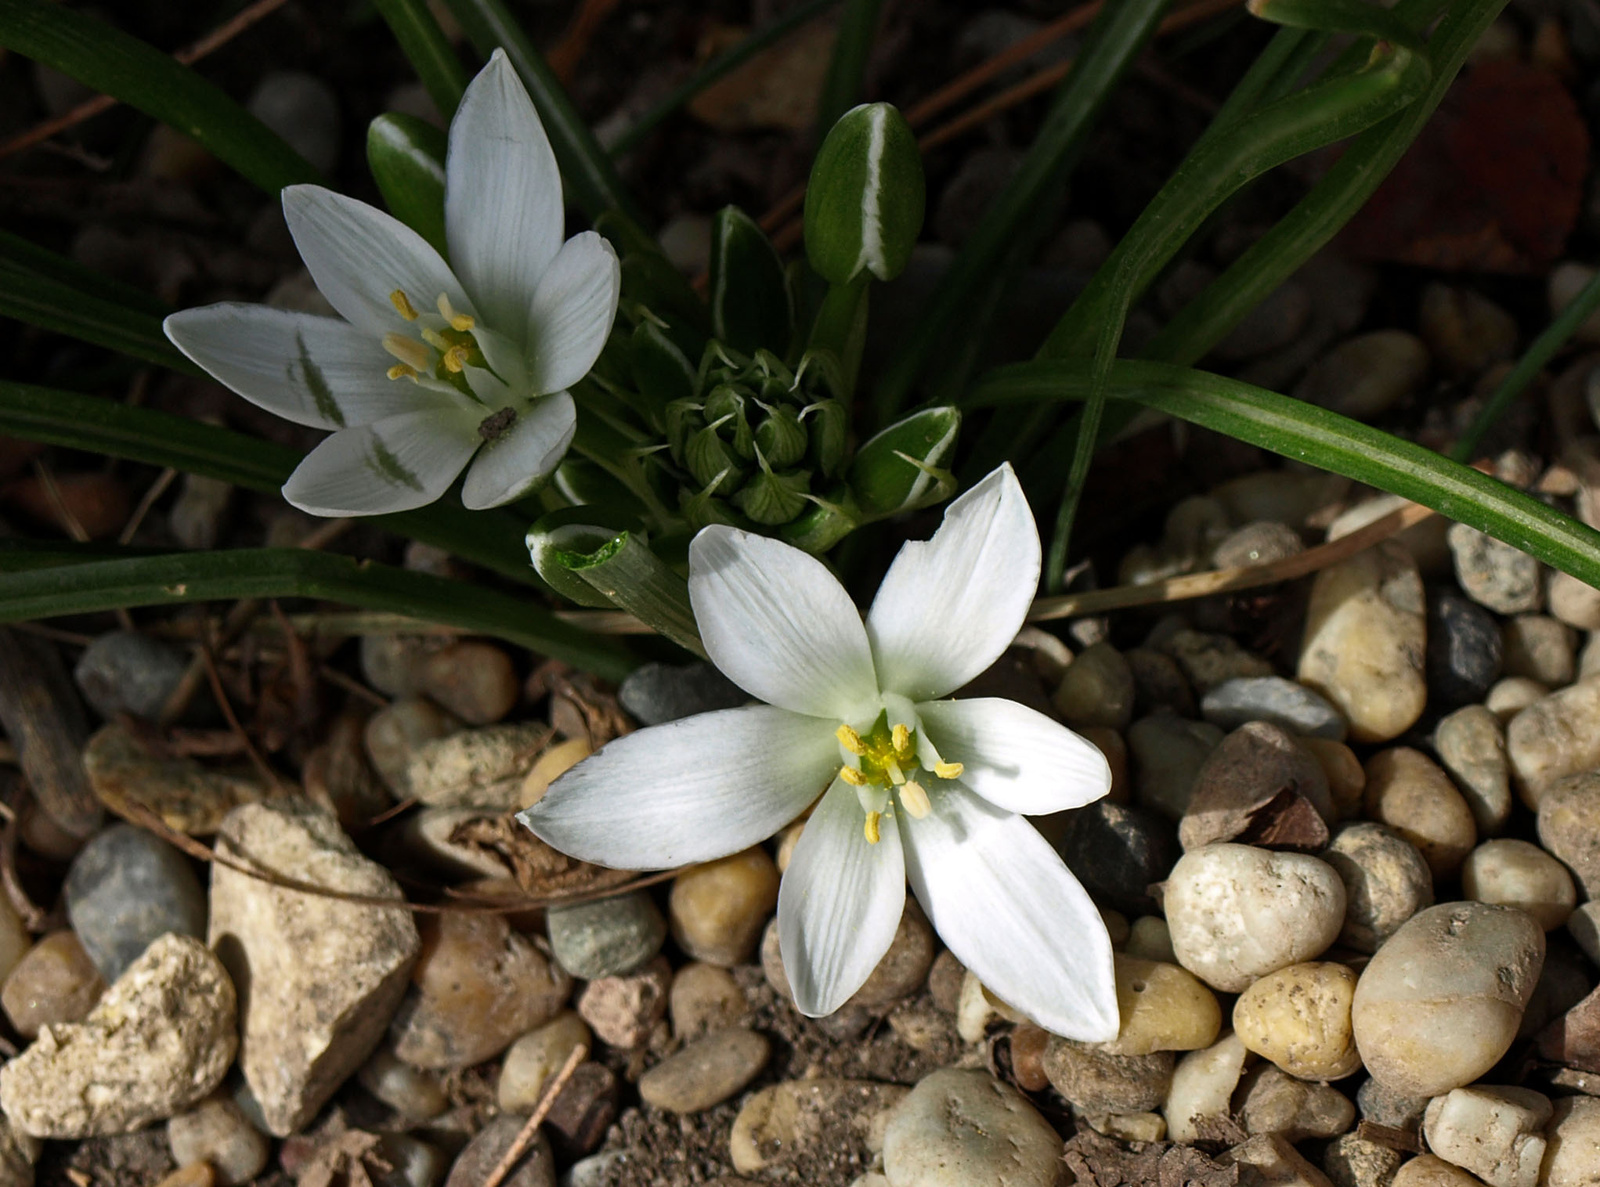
915 800
852 776
458 321
896 775
403 304
409 351
434 339
900 739
455 359
850 740
948 770
871 828
401 371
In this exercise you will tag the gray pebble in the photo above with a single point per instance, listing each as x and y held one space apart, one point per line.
706 1072
960 1128
1097 1081
1269 1100
127 887
1505 579
658 693
1272 698
607 937
536 1168
1261 543
126 672
217 1131
1471 745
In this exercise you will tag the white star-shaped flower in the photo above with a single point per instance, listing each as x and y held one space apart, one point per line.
917 787
434 361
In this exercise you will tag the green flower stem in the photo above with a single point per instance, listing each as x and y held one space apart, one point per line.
716 69
1307 433
591 178
53 293
1333 201
488 538
172 579
1114 40
1338 16
847 69
634 579
428 50
841 327
108 60
1544 349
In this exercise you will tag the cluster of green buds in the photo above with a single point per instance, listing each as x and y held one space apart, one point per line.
757 436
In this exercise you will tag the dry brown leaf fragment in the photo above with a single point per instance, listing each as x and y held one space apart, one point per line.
541 871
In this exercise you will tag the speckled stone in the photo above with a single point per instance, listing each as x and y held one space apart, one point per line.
1569 827
1365 641
1237 913
1272 698
1540 648
1505 579
1116 851
1409 793
623 1010
1441 1001
1553 738
1385 879
1270 1101
1471 746
1352 1161
1299 1018
1572 1138
1097 1081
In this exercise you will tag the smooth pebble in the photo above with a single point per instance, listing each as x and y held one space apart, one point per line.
717 910
1408 792
1514 873
1299 1018
1386 882
1471 745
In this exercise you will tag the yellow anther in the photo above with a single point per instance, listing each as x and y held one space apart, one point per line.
401 371
850 740
434 339
852 776
409 351
948 770
404 305
900 738
455 359
458 321
871 828
915 800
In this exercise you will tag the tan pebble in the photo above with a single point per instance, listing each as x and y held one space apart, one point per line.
717 909
1202 1086
550 766
54 982
1130 1127
1097 689
1555 737
787 840
1386 882
1410 794
1517 874
1574 602
1538 647
1269 1100
704 997
623 1010
1573 1143
1346 778
944 981
1150 939
196 1174
1506 698
1109 742
1428 1170
472 679
706 1072
1471 745
786 1122
1299 1018
537 1056
1569 827
1163 1008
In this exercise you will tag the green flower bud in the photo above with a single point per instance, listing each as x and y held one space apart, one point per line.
900 468
780 438
711 462
771 499
824 523
829 424
683 417
865 199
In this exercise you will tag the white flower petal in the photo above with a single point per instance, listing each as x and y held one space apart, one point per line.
690 790
1011 911
509 466
359 256
1015 757
839 903
779 625
572 312
503 212
393 464
949 606
316 371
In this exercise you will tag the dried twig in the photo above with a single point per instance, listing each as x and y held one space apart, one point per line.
188 56
547 1099
1200 585
157 489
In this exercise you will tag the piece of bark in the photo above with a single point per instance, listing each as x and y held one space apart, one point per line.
41 713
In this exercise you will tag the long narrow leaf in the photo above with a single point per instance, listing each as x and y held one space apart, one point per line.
1333 201
1323 439
293 572
46 290
427 49
77 421
591 178
106 59
1114 41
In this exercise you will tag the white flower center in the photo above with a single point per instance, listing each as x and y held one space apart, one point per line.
881 764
